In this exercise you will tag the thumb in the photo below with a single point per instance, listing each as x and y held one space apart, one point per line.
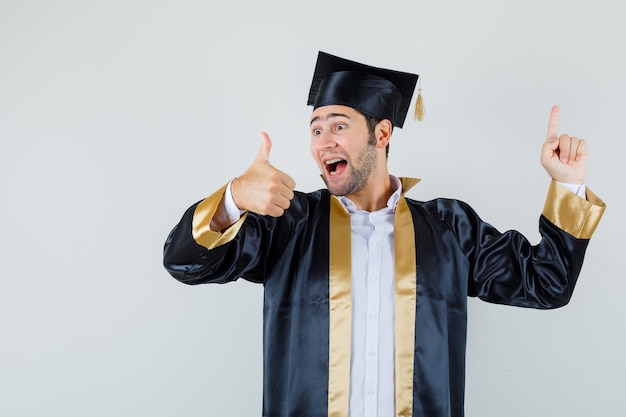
264 150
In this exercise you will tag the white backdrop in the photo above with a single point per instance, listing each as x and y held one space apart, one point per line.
115 116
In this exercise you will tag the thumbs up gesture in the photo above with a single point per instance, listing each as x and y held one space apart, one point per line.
565 156
263 189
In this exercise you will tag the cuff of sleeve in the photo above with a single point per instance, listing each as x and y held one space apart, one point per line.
201 223
578 189
577 216
229 203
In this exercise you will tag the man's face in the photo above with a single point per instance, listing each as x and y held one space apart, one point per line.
343 148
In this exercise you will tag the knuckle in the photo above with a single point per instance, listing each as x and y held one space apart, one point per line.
274 174
273 188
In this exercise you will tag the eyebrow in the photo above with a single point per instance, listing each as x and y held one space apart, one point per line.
329 116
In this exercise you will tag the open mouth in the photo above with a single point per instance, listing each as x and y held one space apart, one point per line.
336 166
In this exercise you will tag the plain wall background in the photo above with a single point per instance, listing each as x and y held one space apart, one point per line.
115 116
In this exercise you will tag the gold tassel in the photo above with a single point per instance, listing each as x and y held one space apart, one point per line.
419 104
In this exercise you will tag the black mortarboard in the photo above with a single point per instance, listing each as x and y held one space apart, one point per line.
376 92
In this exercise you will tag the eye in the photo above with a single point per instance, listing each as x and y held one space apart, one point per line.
340 127
317 132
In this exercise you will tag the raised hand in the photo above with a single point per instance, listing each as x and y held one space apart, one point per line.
565 156
262 188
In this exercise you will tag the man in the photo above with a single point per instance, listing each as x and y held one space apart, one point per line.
365 290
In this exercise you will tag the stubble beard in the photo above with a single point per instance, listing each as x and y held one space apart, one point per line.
360 176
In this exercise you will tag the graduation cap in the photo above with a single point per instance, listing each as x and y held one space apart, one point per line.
376 92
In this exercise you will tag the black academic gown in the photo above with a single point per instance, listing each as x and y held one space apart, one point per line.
453 255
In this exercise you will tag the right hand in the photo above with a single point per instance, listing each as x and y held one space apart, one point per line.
262 188
564 157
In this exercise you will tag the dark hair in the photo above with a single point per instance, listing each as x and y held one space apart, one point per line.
372 122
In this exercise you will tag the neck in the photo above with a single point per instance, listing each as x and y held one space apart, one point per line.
375 195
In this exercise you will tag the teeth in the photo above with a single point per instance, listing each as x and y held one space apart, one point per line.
333 161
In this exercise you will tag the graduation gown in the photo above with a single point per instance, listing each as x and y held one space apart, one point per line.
444 253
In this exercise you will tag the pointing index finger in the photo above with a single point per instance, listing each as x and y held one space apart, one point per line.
553 124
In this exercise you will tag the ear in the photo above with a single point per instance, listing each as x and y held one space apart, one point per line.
383 131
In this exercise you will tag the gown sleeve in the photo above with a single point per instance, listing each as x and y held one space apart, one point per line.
194 254
506 269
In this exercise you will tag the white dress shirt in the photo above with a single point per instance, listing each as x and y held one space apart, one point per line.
372 358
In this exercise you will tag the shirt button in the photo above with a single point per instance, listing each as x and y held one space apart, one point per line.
371 391
373 279
371 353
372 316
374 243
